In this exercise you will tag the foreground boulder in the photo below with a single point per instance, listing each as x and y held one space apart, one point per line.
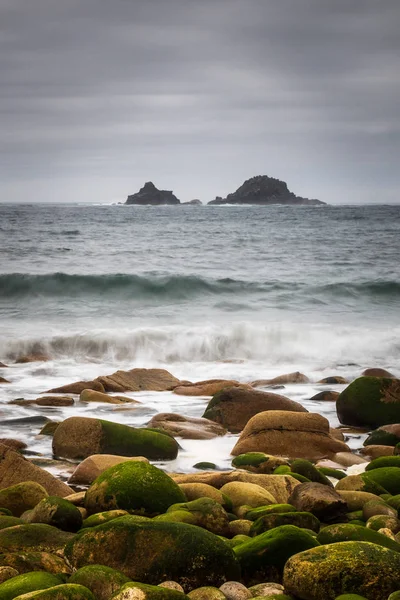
151 552
186 427
57 512
102 581
233 407
133 486
28 582
93 466
79 437
15 469
21 497
291 434
33 537
325 572
320 500
370 402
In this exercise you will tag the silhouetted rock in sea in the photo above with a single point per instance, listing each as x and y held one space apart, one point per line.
194 202
150 195
264 190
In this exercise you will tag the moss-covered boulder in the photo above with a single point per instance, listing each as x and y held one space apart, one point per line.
193 491
152 552
89 469
304 520
377 522
383 461
22 496
260 511
80 437
102 581
370 402
346 567
330 472
27 582
258 462
67 591
345 532
395 596
207 512
387 435
307 469
350 597
250 494
103 517
360 483
24 562
378 507
6 521
35 536
263 558
142 591
57 512
387 477
355 500
135 487
207 593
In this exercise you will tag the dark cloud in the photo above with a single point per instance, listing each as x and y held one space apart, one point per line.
97 97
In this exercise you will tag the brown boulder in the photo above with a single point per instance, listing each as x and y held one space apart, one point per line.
295 377
186 427
326 396
320 500
93 396
2 380
14 468
77 387
206 388
90 468
291 434
233 407
137 380
375 451
334 379
16 445
32 357
376 372
46 401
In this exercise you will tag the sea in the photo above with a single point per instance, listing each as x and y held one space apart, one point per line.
236 292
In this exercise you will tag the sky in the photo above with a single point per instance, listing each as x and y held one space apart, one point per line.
98 97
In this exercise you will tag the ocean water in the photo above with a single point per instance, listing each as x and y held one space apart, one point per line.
234 292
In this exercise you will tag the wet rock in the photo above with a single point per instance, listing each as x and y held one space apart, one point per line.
93 466
3 380
360 483
25 562
14 469
150 195
15 445
249 494
57 512
370 402
234 590
21 497
193 491
32 357
290 434
206 388
234 407
334 379
136 380
377 372
94 396
258 462
267 589
102 581
49 428
70 591
348 459
80 437
33 537
27 582
46 401
345 532
345 567
171 585
186 427
296 377
320 500
77 387
7 573
387 435
375 451
207 512
325 396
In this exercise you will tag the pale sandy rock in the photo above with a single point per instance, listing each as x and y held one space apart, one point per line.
193 491
375 451
77 387
295 377
206 388
348 459
94 396
137 380
90 468
187 427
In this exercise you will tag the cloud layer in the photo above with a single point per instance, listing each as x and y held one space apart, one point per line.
97 97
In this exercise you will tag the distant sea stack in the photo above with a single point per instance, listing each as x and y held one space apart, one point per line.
149 195
263 190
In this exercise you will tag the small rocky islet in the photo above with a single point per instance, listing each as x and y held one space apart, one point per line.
299 516
260 190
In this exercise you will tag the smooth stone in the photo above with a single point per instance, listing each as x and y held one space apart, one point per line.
187 427
295 377
93 466
320 500
208 387
234 590
94 396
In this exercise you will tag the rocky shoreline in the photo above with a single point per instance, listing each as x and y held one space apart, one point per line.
297 516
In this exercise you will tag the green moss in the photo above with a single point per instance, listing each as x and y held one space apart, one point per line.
207 512
350 597
261 511
21 497
6 512
152 592
41 538
394 502
304 520
344 532
253 459
394 596
62 592
265 555
24 562
387 477
57 512
133 486
178 516
27 582
383 461
282 470
308 470
6 521
207 593
377 522
103 517
329 472
128 441
205 466
370 402
380 437
102 581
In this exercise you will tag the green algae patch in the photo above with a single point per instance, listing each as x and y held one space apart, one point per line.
154 551
24 562
265 555
303 467
103 517
6 521
207 593
102 581
344 532
261 511
370 402
387 477
27 582
325 572
303 520
34 536
57 512
60 592
128 441
383 461
329 472
133 486
148 592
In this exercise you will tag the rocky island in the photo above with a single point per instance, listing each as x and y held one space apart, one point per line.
264 190
149 195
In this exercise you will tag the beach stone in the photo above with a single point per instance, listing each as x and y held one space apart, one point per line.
279 486
295 377
70 591
22 496
378 507
360 483
16 445
387 435
234 590
34 537
9 521
138 380
239 527
94 396
304 520
77 498
102 581
206 593
4 380
27 582
80 437
25 562
383 461
348 459
375 451
193 491
325 396
3 366
171 585
7 573
263 557
387 477
258 462
307 469
377 372
234 407
103 517
142 591
267 590
207 512
187 427
290 434
378 522
133 486
355 499
93 466
151 551
208 387
49 428
77 387
344 532
370 402
249 494
57 512
320 500
46 401
333 380
345 567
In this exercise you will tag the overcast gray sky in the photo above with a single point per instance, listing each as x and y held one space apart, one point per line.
99 96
